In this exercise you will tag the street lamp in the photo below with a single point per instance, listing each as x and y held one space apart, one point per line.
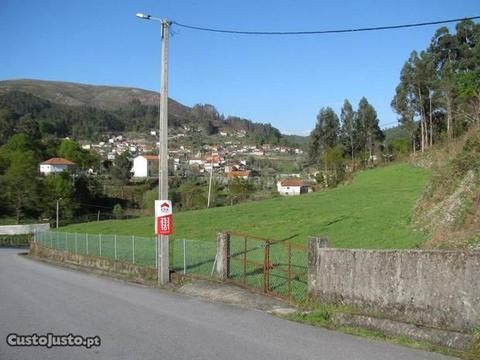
58 203
163 268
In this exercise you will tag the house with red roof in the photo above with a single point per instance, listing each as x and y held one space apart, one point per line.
55 165
289 187
245 175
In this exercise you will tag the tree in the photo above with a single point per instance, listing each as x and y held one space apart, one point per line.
211 129
120 171
56 187
334 166
325 134
7 125
19 183
118 211
468 85
403 104
369 130
193 195
348 131
72 151
240 190
29 126
444 49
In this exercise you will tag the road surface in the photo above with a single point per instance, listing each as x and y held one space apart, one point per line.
135 322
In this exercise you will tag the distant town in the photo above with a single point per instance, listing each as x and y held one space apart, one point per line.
228 159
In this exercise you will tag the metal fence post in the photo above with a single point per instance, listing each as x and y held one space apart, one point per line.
156 251
115 246
86 241
184 256
66 241
51 240
76 244
100 244
290 271
58 240
133 249
245 261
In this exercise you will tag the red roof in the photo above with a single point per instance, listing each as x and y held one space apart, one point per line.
150 157
235 174
292 182
57 161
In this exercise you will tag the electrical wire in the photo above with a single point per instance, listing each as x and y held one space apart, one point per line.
320 32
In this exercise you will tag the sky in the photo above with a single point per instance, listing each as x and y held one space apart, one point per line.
282 80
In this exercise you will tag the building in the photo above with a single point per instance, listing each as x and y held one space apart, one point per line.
55 165
290 187
239 175
145 166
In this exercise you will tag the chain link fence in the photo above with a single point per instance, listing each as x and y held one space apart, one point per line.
186 256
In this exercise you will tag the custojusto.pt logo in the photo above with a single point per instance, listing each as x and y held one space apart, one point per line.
50 340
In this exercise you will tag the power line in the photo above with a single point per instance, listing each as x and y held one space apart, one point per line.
317 32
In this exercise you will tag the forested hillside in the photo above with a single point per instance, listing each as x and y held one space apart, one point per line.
86 111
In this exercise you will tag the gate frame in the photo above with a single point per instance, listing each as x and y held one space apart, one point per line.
267 266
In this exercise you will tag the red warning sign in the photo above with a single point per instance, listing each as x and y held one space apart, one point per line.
163 217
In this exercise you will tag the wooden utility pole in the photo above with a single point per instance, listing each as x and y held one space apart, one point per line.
163 260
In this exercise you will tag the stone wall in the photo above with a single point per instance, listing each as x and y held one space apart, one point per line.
23 229
131 271
434 288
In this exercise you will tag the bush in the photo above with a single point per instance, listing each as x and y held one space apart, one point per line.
15 240
118 211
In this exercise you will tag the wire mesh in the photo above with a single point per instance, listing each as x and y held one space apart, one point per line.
186 256
192 256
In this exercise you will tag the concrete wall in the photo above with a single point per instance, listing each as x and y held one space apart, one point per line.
22 229
440 289
134 272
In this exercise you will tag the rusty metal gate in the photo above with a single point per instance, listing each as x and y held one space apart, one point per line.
274 267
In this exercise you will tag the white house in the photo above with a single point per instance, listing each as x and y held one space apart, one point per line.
145 166
198 162
55 165
290 187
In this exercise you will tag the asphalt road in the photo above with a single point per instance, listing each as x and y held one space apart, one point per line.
136 322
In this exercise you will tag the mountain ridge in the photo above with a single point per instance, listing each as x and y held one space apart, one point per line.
105 97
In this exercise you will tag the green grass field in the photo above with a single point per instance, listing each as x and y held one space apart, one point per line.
373 212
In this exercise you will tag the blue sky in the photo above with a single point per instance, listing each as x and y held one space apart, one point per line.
282 80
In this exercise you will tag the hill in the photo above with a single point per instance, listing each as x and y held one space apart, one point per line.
373 212
449 208
97 96
86 111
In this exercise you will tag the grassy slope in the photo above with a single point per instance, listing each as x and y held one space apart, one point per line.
373 212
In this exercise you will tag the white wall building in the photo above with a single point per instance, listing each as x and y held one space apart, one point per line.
55 165
145 166
289 187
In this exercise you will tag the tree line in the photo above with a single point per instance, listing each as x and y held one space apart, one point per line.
438 96
354 136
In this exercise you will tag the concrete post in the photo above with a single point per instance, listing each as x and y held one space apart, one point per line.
222 265
315 243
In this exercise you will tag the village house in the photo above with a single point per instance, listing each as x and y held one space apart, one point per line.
289 187
239 175
55 165
145 166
